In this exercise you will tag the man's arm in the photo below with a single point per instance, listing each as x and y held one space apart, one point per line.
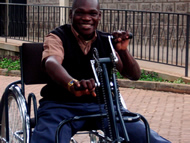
55 70
53 66
127 65
130 67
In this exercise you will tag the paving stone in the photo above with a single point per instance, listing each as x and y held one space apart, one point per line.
167 113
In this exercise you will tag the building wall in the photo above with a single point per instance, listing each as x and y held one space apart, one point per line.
49 2
179 6
44 2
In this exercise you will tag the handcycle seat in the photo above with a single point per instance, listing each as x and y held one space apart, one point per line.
31 69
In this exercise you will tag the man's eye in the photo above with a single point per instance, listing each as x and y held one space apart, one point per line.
77 13
94 14
80 13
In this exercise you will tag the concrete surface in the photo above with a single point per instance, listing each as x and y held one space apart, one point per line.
167 113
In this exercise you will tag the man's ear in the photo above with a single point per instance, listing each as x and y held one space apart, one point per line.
70 14
100 15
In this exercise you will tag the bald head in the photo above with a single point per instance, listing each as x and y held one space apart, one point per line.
85 15
78 3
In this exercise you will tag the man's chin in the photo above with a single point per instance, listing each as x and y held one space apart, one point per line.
87 36
87 32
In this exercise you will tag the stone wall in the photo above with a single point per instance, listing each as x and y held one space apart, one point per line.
44 2
178 6
44 18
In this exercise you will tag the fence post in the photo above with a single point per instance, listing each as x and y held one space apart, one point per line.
187 46
7 21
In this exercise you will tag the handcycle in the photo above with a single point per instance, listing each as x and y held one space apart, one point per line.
15 117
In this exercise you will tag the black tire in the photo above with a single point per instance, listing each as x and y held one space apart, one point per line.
18 119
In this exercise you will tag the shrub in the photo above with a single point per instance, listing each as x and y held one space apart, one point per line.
153 76
10 62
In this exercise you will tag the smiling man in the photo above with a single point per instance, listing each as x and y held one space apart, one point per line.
66 58
85 18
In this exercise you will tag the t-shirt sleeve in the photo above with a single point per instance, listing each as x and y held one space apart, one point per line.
53 46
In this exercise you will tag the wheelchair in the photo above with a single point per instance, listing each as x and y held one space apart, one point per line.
16 124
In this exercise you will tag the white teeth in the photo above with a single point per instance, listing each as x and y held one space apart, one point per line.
86 25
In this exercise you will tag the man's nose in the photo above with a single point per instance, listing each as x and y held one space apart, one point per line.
86 17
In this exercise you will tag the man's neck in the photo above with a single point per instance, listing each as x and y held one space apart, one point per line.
85 38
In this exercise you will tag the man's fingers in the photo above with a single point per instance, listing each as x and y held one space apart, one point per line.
88 88
93 94
121 35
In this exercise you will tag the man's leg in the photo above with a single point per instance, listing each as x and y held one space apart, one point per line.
136 131
50 115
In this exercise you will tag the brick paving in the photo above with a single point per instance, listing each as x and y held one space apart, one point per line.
167 113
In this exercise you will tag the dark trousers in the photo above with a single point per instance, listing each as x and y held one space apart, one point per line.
50 114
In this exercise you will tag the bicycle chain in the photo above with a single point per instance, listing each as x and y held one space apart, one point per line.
99 72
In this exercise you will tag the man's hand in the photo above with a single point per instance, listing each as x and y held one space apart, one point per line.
121 40
83 87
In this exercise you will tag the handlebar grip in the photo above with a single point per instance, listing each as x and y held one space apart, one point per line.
130 36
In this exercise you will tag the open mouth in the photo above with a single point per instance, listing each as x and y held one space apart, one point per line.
86 26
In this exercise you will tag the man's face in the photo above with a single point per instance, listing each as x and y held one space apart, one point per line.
85 17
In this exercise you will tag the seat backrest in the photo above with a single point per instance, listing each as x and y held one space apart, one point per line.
31 69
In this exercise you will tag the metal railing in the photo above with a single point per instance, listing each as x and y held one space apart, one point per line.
158 37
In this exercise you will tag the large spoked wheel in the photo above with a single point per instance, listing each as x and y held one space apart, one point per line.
18 120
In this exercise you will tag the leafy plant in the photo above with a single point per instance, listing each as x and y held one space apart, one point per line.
119 76
179 81
10 62
150 76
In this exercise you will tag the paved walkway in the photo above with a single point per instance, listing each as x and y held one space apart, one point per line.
167 113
